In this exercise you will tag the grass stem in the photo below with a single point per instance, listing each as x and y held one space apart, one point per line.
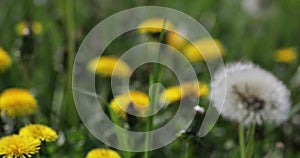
69 112
155 77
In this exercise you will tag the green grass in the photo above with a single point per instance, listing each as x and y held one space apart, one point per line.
66 23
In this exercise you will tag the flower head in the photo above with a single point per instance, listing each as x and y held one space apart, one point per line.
24 28
175 93
17 146
252 95
105 66
40 132
5 60
258 8
17 102
175 40
154 26
286 55
102 153
139 100
210 49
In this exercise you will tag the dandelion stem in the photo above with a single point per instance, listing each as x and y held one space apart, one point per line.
188 151
69 112
155 77
121 137
250 141
241 139
1 126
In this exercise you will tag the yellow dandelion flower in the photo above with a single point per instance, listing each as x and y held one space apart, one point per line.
37 27
5 60
102 153
17 102
40 132
172 94
139 99
286 55
154 25
24 27
175 93
106 65
175 40
210 49
16 146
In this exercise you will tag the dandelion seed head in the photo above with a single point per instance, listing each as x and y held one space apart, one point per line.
252 95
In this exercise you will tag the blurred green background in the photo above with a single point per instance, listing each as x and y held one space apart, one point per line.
247 32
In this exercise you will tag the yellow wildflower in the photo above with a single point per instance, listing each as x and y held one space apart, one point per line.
102 153
106 65
139 99
16 146
175 93
175 40
40 132
5 60
17 102
24 27
154 25
210 49
286 55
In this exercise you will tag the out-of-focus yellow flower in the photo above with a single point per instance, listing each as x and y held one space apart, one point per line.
102 153
16 146
154 25
208 48
175 40
5 60
23 28
286 55
139 100
40 132
17 102
175 93
106 65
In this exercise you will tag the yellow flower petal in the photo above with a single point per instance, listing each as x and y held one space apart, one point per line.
208 48
175 40
40 132
175 93
18 146
139 99
102 153
5 61
23 28
17 102
154 25
106 65
286 55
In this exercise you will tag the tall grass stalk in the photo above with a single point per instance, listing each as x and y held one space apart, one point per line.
155 77
69 112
